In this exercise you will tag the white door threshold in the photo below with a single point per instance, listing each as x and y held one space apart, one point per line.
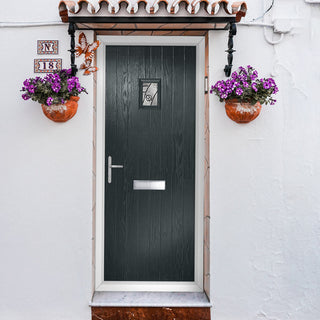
149 299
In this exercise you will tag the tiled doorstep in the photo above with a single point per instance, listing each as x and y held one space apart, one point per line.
149 299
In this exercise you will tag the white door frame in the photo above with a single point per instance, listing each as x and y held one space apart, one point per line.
100 284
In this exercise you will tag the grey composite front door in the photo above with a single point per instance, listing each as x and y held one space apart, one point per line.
150 131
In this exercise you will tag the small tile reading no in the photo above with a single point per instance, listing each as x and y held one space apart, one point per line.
47 46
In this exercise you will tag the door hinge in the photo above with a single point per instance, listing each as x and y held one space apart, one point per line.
206 85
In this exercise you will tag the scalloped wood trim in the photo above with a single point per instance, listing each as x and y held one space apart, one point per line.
238 8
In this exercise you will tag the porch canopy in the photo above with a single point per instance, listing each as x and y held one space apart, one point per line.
160 17
179 17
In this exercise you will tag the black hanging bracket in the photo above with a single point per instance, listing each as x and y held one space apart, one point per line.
71 30
232 32
228 23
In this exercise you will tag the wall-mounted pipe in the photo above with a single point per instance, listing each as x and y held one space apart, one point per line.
30 24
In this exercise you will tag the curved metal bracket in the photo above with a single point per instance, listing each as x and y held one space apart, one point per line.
232 32
71 30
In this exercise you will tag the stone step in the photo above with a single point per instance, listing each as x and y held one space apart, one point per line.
150 313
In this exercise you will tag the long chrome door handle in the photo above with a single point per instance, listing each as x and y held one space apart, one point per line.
112 166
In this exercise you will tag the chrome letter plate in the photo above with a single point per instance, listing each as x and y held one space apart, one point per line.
149 185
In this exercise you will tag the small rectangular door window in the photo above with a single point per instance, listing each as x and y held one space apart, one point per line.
149 93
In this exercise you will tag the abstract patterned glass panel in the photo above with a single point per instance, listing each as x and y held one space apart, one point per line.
149 92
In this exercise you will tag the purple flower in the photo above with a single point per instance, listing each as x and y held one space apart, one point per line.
62 101
70 84
36 80
217 85
229 84
266 85
65 71
56 87
254 75
31 88
73 82
234 75
249 67
271 82
245 84
239 91
49 101
243 77
25 96
254 87
48 78
52 78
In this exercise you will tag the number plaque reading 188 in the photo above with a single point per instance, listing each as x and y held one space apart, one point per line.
47 65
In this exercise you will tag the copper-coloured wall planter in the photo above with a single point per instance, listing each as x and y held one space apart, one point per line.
242 112
61 112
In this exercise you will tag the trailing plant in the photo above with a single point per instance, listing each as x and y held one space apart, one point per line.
54 88
246 86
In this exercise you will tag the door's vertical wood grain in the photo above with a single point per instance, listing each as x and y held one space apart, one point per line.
167 256
122 156
136 60
178 160
155 141
142 198
110 136
138 162
116 142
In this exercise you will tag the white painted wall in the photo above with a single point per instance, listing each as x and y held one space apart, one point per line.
264 180
45 197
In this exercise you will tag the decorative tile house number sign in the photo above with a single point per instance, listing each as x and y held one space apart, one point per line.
47 46
47 65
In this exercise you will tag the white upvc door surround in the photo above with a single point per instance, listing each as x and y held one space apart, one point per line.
100 284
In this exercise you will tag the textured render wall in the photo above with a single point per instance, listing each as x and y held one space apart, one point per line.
265 178
45 196
264 181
